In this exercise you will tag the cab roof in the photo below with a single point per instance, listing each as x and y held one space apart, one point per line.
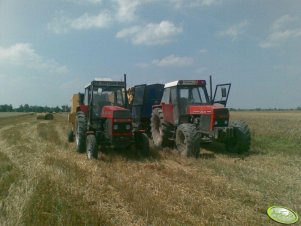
107 83
185 83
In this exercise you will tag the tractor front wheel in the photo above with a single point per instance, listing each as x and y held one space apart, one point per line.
159 129
80 133
242 138
187 140
91 147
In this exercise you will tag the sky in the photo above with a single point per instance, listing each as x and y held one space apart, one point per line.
50 49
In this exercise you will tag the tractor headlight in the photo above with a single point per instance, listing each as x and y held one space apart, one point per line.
128 127
115 127
226 122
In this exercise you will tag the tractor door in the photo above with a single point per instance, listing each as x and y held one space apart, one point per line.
137 102
175 104
221 94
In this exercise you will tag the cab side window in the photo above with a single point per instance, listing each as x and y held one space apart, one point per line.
174 95
166 96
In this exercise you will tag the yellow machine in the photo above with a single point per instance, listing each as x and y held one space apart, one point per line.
75 101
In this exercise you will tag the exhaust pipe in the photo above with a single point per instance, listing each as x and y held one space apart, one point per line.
125 92
211 98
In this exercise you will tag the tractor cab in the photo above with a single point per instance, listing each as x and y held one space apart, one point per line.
184 98
99 94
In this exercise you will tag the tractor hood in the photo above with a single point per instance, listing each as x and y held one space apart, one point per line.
115 112
219 111
210 115
202 109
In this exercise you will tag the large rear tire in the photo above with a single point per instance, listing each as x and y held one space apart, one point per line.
242 138
80 133
187 140
159 129
91 147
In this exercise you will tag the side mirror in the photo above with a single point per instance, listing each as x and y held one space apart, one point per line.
224 92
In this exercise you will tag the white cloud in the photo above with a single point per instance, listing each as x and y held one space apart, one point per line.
24 55
62 23
281 31
126 9
87 21
151 34
234 31
193 3
173 60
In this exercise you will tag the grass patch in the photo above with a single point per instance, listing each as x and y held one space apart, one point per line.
48 133
164 189
9 173
52 204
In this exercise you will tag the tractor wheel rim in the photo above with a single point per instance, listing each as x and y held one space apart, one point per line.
182 142
77 137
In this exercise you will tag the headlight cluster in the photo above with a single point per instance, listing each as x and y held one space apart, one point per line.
225 122
127 127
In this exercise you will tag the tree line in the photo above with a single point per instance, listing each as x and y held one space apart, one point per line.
28 108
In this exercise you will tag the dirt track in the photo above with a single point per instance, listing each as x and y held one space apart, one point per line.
45 182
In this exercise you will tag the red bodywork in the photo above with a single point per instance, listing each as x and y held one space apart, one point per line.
83 108
108 113
210 110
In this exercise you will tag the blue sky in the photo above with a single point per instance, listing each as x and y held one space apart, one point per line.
50 49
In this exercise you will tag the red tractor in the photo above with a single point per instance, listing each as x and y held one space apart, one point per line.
188 117
100 117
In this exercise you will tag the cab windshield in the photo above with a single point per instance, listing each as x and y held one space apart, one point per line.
107 96
110 96
194 95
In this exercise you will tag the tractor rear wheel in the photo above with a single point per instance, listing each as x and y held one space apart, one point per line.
159 129
242 138
142 143
80 133
187 140
91 147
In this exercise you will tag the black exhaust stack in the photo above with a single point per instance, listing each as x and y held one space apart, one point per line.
211 98
126 92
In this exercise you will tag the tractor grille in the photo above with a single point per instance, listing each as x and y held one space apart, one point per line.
221 117
205 122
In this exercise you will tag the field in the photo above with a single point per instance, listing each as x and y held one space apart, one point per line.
12 114
43 181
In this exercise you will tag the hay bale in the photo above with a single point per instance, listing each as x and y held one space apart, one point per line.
45 116
49 116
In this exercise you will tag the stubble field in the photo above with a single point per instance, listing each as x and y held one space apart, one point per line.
43 181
